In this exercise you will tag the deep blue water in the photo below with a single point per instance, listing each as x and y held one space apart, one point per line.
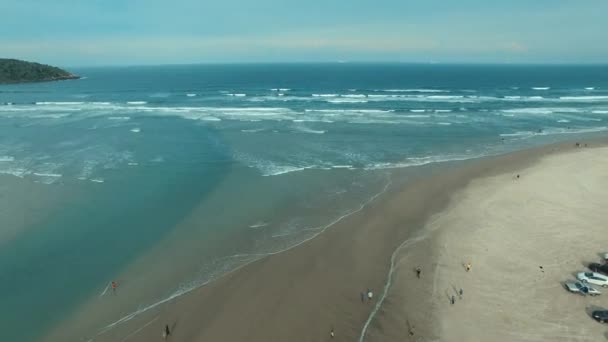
274 153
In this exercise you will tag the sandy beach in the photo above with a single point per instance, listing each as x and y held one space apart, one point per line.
478 213
523 237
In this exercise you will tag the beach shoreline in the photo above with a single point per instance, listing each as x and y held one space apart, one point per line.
306 292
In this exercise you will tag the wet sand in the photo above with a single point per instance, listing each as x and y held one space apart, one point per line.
306 292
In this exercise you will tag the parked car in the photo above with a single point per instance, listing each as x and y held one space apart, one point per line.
593 278
599 268
578 287
600 316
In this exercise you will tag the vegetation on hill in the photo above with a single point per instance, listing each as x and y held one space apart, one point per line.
16 71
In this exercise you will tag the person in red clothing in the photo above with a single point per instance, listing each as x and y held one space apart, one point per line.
114 287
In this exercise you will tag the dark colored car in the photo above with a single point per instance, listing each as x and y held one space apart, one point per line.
600 316
599 268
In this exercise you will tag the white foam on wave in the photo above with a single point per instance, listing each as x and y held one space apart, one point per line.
349 111
258 224
554 131
286 169
236 94
415 90
417 110
252 130
424 160
447 97
268 168
61 103
443 110
346 100
210 118
17 172
41 174
541 88
7 158
417 116
589 88
444 123
538 111
97 180
563 121
325 95
190 95
303 129
600 112
584 98
137 102
136 130
280 89
119 118
517 98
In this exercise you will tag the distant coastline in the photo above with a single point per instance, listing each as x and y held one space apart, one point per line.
17 71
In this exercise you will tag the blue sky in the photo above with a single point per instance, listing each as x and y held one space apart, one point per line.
128 32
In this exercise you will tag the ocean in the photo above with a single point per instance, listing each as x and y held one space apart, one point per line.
163 178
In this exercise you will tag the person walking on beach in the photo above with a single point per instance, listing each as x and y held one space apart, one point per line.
418 271
114 287
362 297
167 332
460 293
453 300
369 294
331 333
468 266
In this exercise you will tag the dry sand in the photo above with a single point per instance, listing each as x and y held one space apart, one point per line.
523 237
506 227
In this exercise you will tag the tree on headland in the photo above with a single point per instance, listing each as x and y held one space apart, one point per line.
17 71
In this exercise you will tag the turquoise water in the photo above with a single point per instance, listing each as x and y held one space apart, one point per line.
265 155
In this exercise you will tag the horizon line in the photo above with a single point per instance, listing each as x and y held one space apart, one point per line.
243 63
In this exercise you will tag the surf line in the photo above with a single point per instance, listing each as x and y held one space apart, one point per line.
182 292
389 279
105 290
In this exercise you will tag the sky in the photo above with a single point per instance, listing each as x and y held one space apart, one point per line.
143 32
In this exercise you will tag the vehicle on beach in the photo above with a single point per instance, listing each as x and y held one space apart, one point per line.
600 316
578 287
599 268
593 278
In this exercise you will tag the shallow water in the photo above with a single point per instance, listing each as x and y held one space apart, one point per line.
235 161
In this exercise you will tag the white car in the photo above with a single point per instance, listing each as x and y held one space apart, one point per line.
578 287
593 278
